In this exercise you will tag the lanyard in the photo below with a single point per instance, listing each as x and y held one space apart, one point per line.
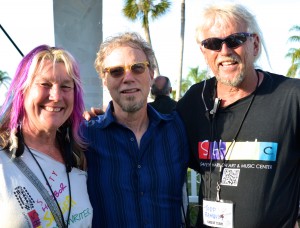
213 130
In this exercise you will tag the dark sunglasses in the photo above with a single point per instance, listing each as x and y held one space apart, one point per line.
232 41
119 71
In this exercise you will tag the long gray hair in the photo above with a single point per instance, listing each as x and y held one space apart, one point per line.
223 15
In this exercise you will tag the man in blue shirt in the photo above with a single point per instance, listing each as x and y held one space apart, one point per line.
137 158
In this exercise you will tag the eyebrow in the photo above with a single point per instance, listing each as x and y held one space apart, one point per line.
50 79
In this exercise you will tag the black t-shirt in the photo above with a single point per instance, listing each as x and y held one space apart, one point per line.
261 173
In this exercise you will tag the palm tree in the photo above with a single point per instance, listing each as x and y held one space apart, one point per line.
182 27
141 9
294 53
194 76
4 79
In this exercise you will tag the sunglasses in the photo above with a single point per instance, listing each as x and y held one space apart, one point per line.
119 71
232 41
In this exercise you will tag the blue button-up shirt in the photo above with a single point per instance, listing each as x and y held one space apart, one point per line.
131 185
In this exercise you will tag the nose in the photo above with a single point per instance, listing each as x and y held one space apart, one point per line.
55 93
225 49
128 75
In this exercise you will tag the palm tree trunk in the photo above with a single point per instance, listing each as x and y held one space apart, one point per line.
148 39
178 90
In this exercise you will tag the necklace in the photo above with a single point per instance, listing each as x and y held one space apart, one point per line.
48 184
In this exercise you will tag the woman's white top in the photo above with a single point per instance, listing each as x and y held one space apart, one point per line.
21 204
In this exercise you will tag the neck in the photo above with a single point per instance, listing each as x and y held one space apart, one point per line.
230 94
44 143
137 122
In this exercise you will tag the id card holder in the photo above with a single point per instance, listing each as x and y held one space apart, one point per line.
218 213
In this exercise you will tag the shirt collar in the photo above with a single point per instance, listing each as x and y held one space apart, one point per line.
154 117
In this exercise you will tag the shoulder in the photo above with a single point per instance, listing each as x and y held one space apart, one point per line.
161 120
94 129
95 122
100 121
174 116
170 127
194 98
172 122
278 82
3 155
278 77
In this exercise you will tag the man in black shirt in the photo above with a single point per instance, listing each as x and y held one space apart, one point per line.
161 90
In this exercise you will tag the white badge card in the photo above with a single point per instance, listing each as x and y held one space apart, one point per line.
217 214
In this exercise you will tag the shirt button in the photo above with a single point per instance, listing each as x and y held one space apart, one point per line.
131 139
139 166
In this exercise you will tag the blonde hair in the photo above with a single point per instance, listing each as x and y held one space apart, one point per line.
131 39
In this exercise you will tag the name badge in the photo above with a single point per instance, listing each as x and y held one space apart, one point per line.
218 214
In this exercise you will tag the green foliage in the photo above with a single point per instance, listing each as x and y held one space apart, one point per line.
194 76
193 207
140 9
4 79
294 53
173 94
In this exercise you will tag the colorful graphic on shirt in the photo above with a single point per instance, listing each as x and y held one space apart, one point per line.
34 218
27 203
23 197
255 151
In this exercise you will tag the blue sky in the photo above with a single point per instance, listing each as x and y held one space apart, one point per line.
30 23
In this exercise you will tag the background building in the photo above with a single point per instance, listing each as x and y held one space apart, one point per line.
78 28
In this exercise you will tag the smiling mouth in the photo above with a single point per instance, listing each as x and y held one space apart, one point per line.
51 109
130 91
228 63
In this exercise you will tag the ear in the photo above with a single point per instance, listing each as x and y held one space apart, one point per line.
151 74
201 49
104 81
203 53
256 45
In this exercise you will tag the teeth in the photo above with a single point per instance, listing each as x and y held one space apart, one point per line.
51 109
227 63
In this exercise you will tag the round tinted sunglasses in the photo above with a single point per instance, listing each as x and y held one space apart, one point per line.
119 71
232 41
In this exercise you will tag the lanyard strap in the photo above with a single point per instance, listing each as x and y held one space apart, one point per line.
40 187
218 187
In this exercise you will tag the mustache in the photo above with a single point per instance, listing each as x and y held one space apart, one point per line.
229 59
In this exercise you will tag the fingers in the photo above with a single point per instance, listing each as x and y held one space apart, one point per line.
86 115
97 111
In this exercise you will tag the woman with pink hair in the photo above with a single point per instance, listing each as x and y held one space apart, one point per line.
42 165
